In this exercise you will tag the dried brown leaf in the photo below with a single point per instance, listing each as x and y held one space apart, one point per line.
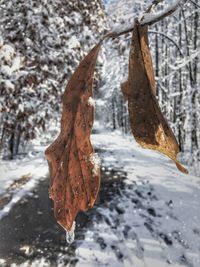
75 178
148 124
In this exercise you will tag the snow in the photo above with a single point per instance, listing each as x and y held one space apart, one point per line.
16 64
150 17
40 262
7 52
9 84
95 160
70 234
147 171
1 41
33 166
73 42
38 55
10 62
152 221
186 60
121 28
91 101
77 18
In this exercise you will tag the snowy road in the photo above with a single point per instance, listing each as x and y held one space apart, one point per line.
147 215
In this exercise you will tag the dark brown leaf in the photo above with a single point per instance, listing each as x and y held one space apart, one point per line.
75 177
148 125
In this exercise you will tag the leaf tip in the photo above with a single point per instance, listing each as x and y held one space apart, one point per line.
181 168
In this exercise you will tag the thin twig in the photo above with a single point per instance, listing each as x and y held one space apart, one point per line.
169 38
193 2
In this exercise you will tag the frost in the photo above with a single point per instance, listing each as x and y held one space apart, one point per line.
96 161
70 234
91 101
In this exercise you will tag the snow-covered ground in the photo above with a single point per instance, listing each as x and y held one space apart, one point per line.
18 177
153 220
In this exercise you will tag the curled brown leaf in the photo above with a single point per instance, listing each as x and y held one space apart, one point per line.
75 176
148 124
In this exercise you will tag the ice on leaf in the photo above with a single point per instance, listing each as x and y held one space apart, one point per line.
70 234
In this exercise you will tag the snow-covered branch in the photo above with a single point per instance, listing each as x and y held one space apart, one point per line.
149 19
187 60
153 5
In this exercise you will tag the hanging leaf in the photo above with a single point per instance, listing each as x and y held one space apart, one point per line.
148 125
73 165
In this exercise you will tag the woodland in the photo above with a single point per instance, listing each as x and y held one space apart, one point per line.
99 133
40 48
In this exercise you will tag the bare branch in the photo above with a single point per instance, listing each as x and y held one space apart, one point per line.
169 38
193 2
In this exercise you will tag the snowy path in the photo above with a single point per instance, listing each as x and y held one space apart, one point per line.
148 214
156 219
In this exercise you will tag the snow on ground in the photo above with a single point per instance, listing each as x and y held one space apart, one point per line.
153 220
18 177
